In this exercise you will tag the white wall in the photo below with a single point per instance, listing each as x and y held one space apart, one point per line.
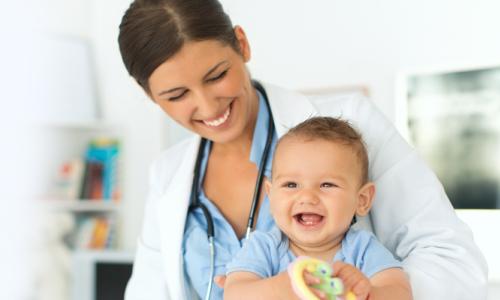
302 44
22 146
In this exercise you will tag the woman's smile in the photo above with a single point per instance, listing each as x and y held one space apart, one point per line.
219 120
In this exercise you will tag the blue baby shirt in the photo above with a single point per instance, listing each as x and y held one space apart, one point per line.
268 253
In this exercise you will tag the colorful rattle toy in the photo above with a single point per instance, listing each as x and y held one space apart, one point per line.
332 287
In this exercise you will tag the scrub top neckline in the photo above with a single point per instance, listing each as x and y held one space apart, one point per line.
262 122
216 213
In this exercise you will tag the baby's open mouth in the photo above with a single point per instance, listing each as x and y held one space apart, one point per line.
308 219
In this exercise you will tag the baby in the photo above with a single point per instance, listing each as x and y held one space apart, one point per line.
319 185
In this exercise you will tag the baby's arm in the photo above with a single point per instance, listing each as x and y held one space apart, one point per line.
247 285
387 284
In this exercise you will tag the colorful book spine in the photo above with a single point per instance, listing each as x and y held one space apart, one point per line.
101 172
95 233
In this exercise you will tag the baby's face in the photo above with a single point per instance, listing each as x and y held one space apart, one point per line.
314 190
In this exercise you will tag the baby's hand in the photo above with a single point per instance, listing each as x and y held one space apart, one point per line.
311 280
354 280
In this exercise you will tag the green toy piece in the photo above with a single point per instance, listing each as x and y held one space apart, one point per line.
332 287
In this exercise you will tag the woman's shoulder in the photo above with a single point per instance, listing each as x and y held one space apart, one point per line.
343 105
169 160
174 152
324 102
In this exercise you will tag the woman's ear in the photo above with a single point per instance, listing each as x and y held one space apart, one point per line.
365 198
243 42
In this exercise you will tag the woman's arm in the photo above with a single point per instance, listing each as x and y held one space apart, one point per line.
390 284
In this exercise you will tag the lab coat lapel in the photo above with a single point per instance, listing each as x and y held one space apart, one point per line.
174 204
289 108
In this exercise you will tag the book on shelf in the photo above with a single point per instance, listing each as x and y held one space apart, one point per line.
100 176
95 233
69 179
93 176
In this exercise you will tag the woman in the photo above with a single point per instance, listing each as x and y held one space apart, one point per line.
190 60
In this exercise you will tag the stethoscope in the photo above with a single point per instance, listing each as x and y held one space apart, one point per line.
195 203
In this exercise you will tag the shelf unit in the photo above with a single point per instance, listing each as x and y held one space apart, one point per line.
70 223
82 205
67 141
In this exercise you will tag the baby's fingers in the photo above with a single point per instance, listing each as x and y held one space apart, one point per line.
311 279
320 294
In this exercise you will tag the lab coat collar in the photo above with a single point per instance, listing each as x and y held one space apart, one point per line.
289 108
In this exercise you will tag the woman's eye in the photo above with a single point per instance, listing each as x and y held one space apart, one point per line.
220 76
328 185
177 97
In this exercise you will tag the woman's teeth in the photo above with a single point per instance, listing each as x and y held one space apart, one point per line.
220 120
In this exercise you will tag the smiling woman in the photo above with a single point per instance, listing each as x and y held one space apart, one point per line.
211 92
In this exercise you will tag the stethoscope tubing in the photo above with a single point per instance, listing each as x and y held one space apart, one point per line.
195 203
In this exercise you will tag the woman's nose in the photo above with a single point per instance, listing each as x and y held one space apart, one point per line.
206 105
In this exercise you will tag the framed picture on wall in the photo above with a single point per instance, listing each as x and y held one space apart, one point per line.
452 118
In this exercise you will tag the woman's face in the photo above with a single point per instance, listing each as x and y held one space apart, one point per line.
206 88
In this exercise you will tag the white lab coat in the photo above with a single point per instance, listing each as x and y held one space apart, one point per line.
411 214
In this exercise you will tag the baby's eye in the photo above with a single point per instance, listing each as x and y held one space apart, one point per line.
289 184
328 185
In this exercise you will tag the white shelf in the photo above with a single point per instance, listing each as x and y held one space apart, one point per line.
83 205
84 125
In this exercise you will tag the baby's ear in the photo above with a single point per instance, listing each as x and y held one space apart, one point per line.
267 186
365 198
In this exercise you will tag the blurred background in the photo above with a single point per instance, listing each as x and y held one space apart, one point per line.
78 135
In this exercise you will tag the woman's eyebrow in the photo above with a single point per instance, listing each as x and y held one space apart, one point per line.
213 69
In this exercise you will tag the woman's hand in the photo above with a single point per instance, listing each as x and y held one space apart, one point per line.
353 279
220 280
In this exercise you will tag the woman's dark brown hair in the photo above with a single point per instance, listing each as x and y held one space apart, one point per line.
152 31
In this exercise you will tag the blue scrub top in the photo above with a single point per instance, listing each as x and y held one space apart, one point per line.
195 247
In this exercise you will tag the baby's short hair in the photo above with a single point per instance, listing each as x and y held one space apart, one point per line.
332 130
